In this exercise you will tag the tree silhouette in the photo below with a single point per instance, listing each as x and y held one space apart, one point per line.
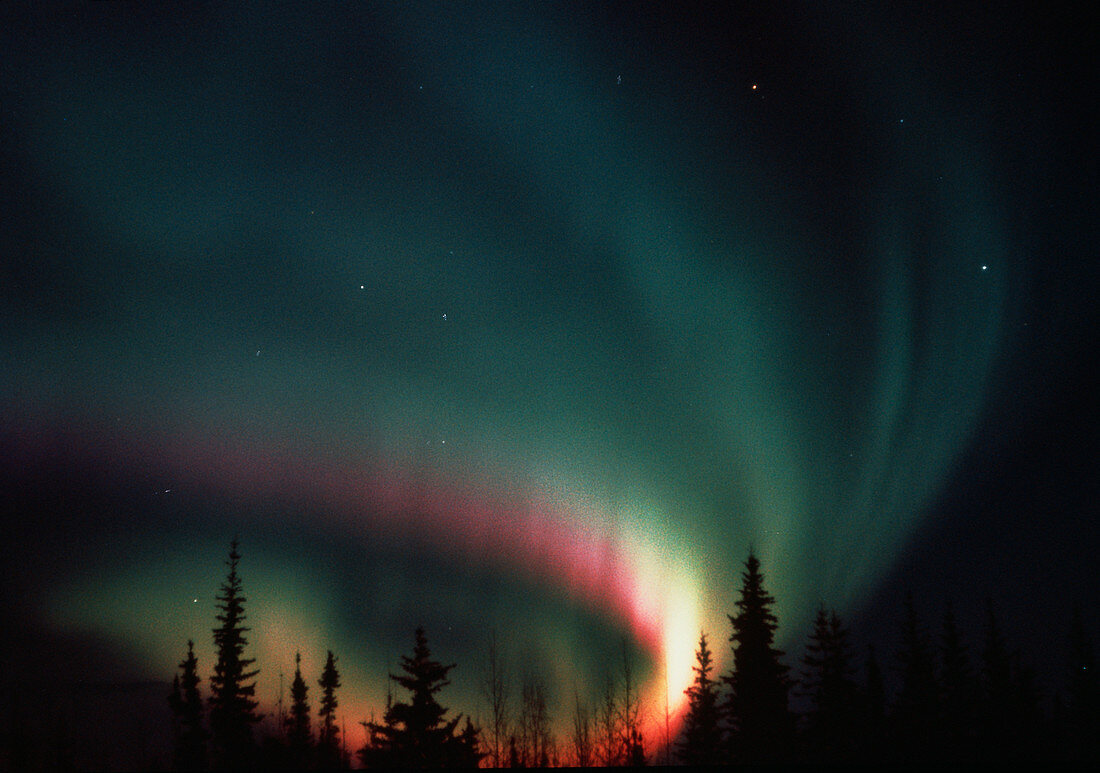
762 727
416 734
608 749
533 723
1010 724
232 706
874 710
828 683
495 689
629 711
186 702
582 733
701 737
916 706
299 732
328 741
468 752
958 689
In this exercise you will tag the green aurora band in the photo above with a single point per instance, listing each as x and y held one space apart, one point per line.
492 262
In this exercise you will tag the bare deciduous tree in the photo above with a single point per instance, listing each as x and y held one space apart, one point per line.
495 690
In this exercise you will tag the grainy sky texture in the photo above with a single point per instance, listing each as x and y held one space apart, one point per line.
533 318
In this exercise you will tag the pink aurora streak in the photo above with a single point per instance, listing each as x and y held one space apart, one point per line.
532 534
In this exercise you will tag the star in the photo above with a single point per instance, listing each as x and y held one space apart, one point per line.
984 268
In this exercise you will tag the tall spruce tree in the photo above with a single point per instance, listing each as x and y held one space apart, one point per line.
299 732
416 734
328 742
1011 726
827 681
232 705
872 736
701 737
996 694
958 690
915 717
186 702
761 724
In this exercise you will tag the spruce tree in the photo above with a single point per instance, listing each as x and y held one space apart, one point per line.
328 742
915 716
232 705
468 752
996 695
1010 727
828 684
761 725
300 734
186 702
957 693
701 737
415 734
874 712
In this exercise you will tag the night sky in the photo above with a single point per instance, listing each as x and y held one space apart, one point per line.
533 318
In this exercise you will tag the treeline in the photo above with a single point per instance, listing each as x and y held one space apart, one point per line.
219 734
953 707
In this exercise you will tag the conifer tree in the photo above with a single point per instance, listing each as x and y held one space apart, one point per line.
416 734
300 734
328 741
468 752
828 683
761 725
232 705
996 684
1010 717
957 693
701 738
186 704
916 708
874 711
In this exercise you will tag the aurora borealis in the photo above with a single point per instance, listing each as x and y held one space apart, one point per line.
525 317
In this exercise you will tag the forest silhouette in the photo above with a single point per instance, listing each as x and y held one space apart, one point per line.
954 706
